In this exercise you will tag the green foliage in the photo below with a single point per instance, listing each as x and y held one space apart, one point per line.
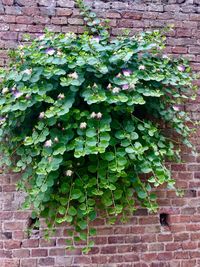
82 118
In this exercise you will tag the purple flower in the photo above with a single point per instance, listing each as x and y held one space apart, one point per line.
17 94
125 87
2 120
126 72
181 68
50 51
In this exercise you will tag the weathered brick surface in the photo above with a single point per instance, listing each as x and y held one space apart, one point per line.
143 241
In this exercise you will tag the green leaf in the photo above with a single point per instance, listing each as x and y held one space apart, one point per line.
76 193
72 211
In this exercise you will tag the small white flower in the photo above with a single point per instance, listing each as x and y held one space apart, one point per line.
83 125
119 75
27 96
21 47
27 71
41 37
109 86
56 140
61 96
59 53
116 90
93 115
69 173
96 39
41 115
141 67
99 115
73 75
5 90
165 57
95 85
48 143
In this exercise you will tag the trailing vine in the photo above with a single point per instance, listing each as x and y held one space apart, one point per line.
82 119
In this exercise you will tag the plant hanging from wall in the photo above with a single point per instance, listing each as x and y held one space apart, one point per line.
80 117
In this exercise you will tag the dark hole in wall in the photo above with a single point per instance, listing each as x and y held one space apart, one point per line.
164 219
8 235
33 230
31 223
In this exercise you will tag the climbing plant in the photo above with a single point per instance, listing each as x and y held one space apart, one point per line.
82 119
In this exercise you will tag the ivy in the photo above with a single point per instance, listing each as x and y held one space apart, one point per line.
82 118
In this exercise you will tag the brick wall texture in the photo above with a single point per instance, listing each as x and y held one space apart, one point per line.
143 241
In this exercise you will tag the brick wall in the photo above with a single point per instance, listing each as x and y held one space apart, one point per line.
143 241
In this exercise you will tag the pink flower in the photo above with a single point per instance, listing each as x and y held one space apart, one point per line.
126 72
17 94
181 68
176 108
125 87
48 143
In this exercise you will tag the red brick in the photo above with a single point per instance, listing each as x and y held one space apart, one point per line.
28 263
46 261
21 253
40 252
12 244
57 252
63 12
30 243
